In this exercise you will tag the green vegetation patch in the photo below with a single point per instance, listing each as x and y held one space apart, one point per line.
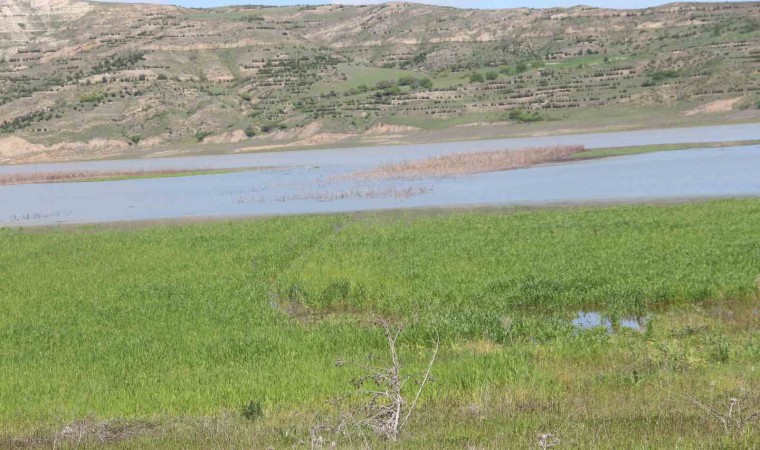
242 332
358 76
635 150
523 116
93 97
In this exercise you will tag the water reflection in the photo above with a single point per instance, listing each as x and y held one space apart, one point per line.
592 319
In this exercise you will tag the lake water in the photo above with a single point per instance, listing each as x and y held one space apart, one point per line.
303 183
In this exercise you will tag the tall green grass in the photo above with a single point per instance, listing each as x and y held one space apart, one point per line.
190 321
461 274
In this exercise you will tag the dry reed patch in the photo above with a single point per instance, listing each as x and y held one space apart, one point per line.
467 163
84 175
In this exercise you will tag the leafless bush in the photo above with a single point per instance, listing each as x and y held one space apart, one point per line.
387 410
467 163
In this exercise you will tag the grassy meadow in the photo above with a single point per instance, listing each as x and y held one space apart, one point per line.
158 336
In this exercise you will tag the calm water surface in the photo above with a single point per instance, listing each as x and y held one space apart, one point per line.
306 186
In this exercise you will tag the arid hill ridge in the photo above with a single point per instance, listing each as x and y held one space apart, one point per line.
86 80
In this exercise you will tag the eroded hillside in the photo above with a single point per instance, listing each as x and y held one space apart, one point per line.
86 80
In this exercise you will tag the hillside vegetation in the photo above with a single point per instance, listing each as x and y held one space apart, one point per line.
87 80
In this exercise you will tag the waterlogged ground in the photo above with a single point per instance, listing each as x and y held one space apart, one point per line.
310 181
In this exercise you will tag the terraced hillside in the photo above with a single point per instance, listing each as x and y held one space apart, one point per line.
86 80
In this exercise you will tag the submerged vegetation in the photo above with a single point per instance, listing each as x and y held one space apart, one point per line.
243 333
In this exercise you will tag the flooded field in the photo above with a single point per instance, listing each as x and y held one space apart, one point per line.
315 181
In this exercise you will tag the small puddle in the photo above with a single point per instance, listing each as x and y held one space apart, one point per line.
591 319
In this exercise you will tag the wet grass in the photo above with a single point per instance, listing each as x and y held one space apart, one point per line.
635 150
157 337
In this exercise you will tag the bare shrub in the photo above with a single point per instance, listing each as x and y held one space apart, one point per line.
467 163
387 410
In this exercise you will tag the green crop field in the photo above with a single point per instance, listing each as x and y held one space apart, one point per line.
158 336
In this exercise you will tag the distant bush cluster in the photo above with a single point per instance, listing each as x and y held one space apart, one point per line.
386 88
522 116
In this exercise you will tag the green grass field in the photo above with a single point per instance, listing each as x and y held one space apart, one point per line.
157 336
